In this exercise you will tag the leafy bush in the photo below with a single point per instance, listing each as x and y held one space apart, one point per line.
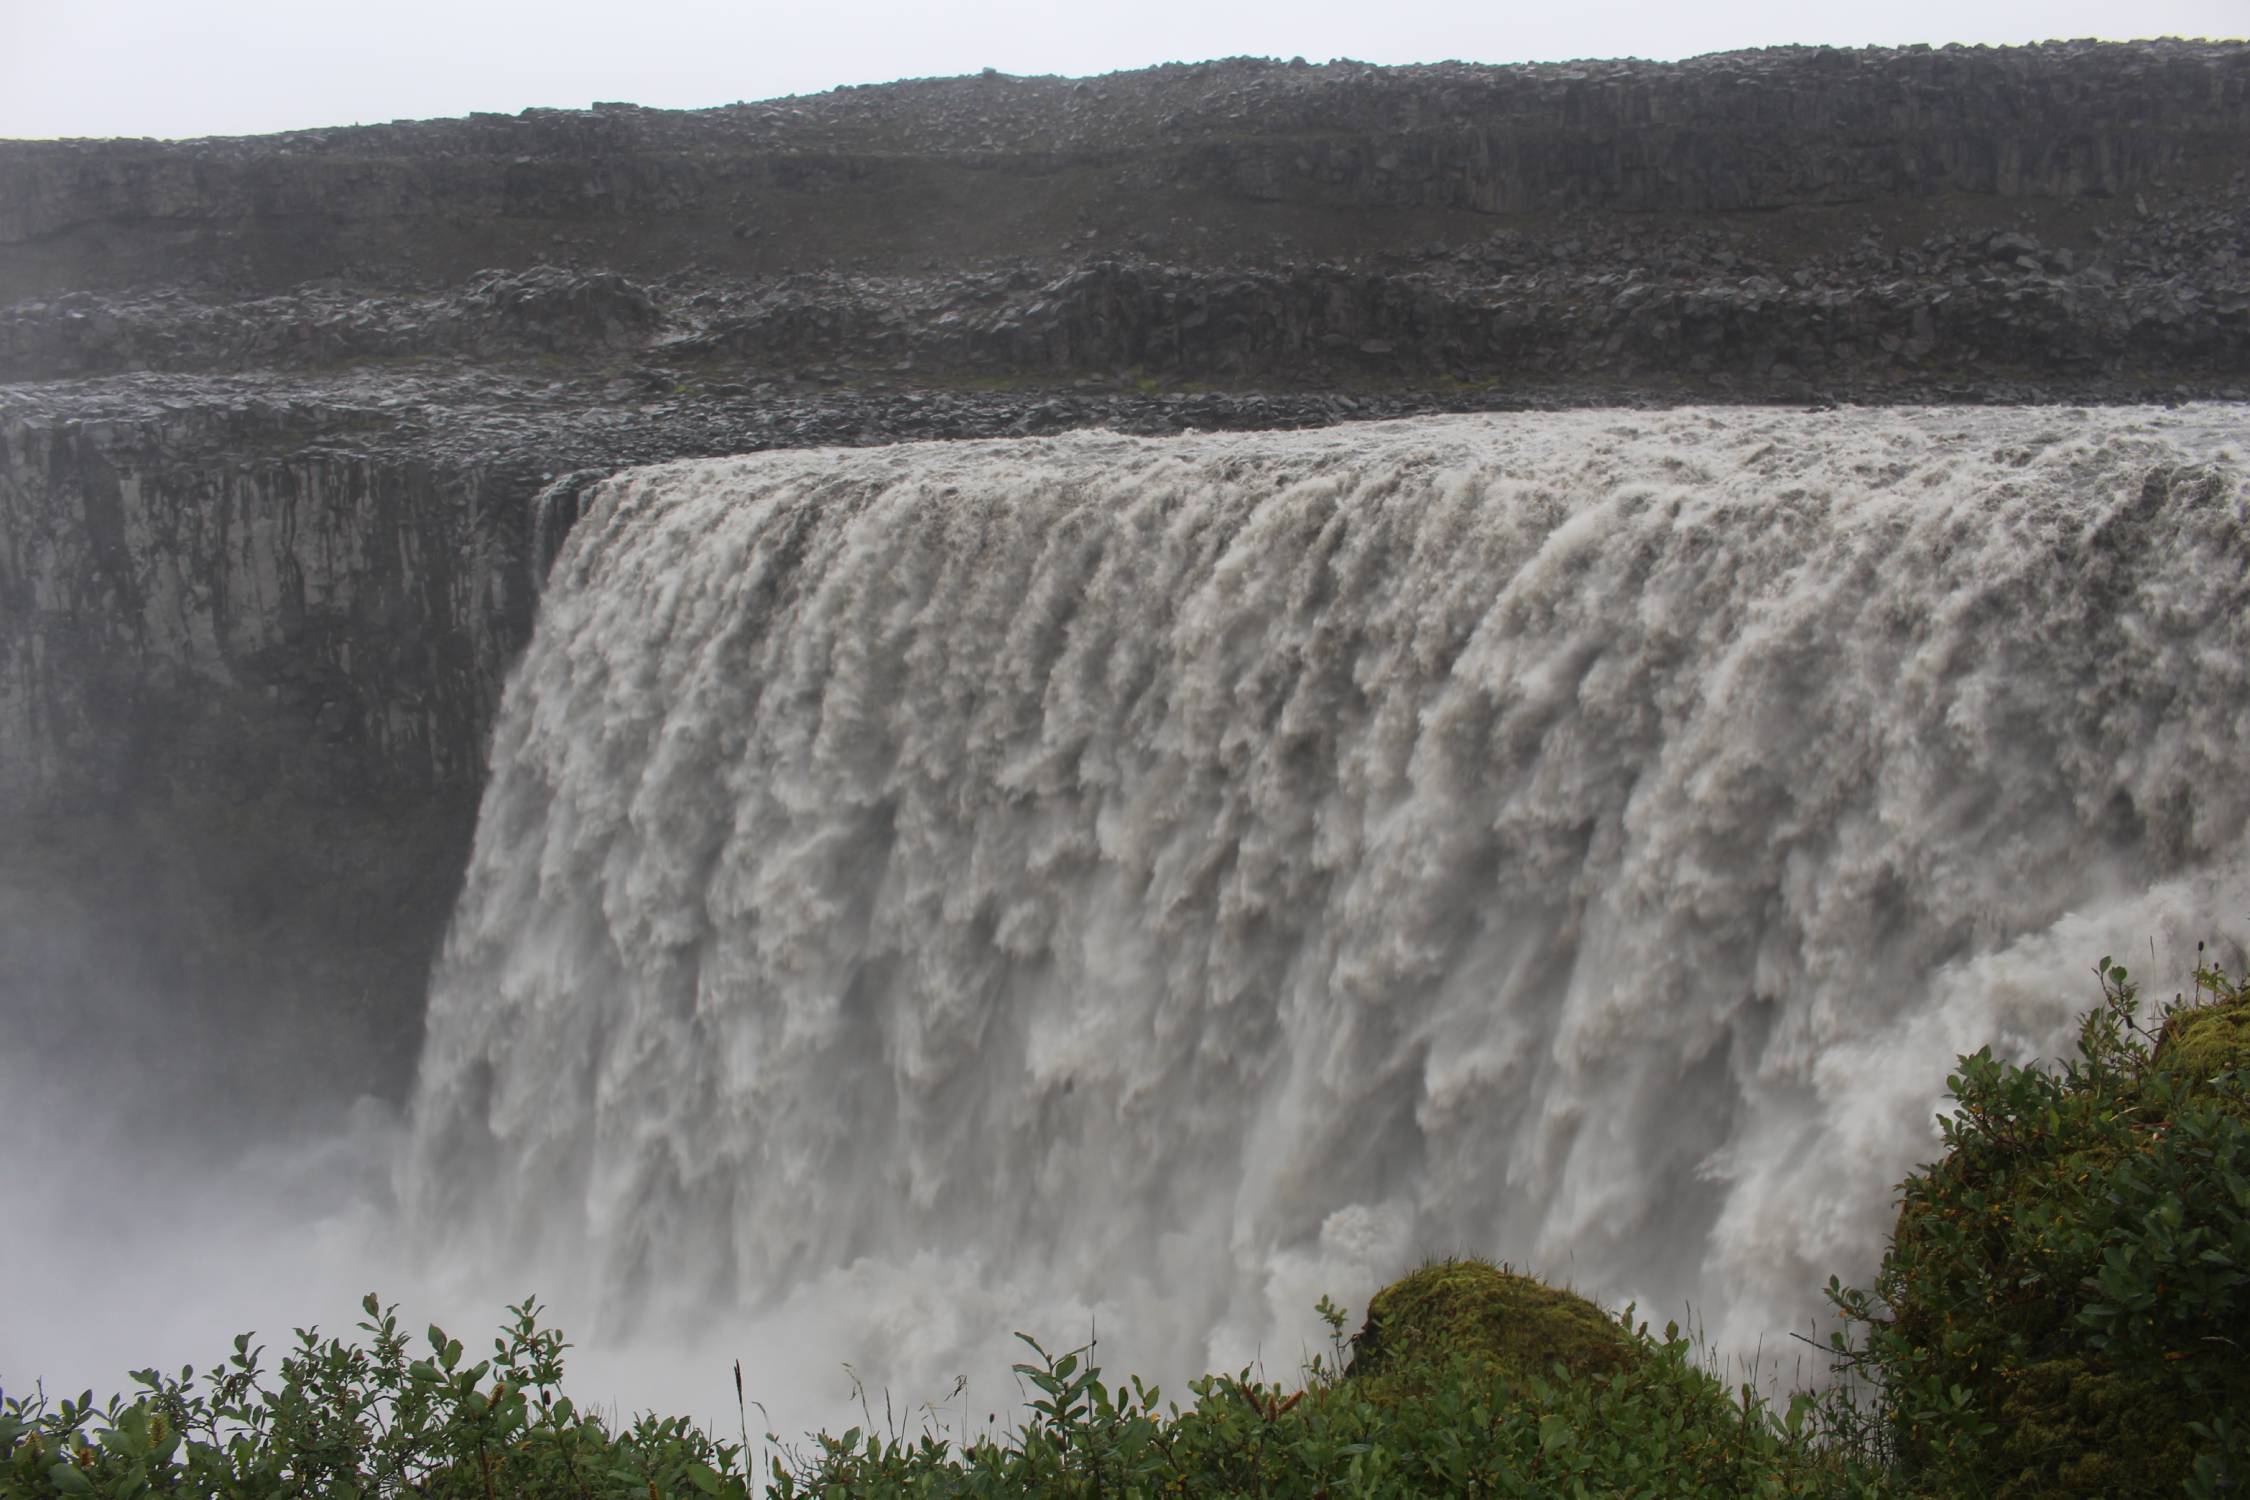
2064 1305
1653 1424
354 1422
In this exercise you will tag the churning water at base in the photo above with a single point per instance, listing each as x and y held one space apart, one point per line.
1157 882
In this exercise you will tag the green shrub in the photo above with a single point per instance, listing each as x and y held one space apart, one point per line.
2064 1305
347 1421
1653 1424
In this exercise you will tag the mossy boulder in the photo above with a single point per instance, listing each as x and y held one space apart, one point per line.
2204 1041
2068 1286
1470 1311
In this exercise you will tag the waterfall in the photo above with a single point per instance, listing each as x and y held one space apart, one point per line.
1180 877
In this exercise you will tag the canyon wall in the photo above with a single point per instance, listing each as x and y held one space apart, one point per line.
243 691
280 417
169 568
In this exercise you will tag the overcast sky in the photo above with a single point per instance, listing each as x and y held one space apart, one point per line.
212 67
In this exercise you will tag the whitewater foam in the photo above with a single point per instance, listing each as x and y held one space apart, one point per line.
924 891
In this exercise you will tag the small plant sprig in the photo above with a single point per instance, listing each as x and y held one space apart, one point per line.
358 1421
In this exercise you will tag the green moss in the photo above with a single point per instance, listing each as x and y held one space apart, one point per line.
2206 1040
2068 1428
1471 1310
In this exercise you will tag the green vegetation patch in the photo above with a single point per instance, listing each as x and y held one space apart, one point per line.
1474 1310
2065 1306
2201 1042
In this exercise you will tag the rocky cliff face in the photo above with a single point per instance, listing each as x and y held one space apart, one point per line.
234 560
280 417
242 692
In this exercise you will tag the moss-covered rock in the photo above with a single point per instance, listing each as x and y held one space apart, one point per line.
2203 1041
1470 1310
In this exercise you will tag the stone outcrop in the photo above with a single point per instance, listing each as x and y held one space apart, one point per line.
289 426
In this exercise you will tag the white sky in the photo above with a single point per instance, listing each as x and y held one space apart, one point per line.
210 67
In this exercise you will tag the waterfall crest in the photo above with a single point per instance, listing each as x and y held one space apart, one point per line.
1191 875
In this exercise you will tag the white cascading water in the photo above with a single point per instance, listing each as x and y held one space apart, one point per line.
1161 881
